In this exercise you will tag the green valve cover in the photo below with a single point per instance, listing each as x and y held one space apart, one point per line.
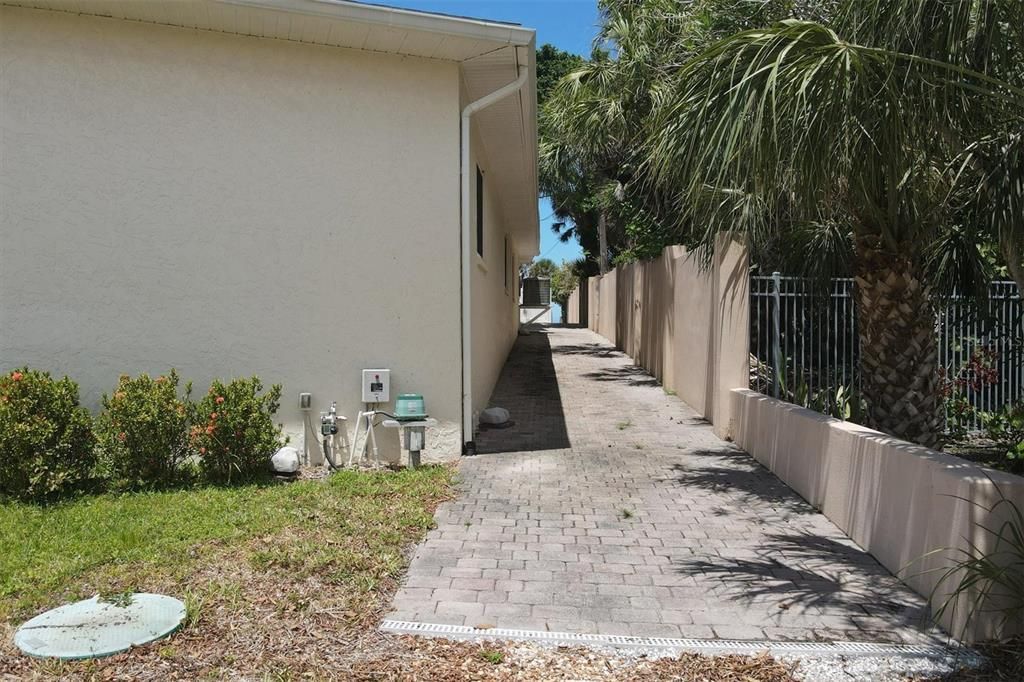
410 407
94 628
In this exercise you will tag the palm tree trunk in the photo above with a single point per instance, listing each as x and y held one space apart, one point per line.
898 346
1014 261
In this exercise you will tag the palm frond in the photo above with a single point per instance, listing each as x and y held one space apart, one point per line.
811 123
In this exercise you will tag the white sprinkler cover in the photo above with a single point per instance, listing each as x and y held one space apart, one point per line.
285 460
494 415
93 628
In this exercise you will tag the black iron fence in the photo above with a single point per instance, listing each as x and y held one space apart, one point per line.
804 346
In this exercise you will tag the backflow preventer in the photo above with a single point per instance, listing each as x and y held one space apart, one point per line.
410 416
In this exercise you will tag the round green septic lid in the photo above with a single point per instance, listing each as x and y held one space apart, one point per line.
93 628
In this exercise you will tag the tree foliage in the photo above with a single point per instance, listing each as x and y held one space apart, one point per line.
542 267
564 179
553 64
594 126
883 137
564 280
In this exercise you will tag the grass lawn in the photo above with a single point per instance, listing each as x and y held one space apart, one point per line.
222 550
349 529
281 581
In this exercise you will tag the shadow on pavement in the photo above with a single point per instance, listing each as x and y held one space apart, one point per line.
630 375
740 479
528 389
811 573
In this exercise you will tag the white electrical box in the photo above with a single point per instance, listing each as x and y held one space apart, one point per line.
376 385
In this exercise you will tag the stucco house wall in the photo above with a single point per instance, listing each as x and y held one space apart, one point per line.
230 206
495 300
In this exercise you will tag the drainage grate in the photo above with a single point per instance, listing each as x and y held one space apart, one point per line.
709 646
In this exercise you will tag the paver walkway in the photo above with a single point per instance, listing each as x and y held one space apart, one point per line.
611 508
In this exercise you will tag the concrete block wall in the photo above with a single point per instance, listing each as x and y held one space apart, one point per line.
684 322
912 508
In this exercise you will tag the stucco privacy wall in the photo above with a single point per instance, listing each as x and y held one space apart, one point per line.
897 500
686 324
494 298
571 313
593 307
228 206
607 301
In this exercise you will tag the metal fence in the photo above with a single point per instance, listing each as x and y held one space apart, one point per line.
803 339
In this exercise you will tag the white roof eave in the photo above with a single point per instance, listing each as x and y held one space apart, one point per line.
394 17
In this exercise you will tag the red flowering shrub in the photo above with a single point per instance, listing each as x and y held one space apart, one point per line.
233 430
143 431
46 439
976 373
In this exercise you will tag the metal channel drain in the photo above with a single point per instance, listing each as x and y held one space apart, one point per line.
710 646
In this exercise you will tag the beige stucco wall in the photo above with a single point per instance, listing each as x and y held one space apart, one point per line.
686 324
228 206
605 322
494 299
593 301
897 500
571 314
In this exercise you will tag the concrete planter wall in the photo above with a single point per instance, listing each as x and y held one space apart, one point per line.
898 501
913 509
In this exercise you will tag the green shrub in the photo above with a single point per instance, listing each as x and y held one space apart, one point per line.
961 415
233 430
989 580
143 431
1006 428
46 440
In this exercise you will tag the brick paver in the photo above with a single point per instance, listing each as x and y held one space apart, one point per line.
610 507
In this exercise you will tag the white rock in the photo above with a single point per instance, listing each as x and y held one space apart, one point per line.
494 415
285 460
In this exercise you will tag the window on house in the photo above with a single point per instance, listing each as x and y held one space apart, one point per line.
479 212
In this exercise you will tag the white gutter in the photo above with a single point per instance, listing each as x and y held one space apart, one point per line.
467 252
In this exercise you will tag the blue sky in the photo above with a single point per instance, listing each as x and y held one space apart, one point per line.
568 24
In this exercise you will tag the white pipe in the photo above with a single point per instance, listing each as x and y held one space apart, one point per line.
467 249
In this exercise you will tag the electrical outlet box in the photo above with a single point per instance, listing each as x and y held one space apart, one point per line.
305 401
376 385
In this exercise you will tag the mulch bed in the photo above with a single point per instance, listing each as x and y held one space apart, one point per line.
981 451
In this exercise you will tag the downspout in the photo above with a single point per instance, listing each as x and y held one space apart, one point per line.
469 447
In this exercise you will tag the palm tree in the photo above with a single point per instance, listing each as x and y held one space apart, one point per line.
860 125
991 184
593 128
